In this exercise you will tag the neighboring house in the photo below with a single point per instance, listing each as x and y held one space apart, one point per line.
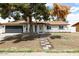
77 26
38 26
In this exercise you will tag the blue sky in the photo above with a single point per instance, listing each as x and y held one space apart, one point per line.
73 17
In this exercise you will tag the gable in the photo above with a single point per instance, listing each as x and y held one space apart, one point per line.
76 24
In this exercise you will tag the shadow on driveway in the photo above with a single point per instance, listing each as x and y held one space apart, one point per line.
24 37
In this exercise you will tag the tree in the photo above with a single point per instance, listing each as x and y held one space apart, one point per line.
39 9
6 9
60 11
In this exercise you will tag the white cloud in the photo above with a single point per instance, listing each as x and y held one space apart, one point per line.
74 9
73 18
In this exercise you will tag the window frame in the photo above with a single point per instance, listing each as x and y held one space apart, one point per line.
61 27
48 27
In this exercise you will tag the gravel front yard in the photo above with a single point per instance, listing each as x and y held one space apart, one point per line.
59 42
68 41
16 43
32 45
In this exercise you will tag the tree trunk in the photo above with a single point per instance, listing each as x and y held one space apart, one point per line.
30 17
31 27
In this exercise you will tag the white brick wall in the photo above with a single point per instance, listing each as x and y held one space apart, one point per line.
56 29
2 29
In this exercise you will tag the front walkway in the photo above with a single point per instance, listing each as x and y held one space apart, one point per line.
45 44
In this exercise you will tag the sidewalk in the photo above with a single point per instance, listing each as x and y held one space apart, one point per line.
38 54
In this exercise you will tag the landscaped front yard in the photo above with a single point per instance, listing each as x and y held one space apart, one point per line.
60 42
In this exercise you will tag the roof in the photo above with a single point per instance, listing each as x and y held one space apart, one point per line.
75 24
0 23
17 23
21 22
53 22
57 23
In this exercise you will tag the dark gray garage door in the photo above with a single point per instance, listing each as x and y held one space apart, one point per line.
14 29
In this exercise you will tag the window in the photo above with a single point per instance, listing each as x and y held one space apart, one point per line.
48 27
61 27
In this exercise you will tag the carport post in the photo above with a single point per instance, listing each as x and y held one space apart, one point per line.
34 28
44 28
24 28
28 27
38 29
4 28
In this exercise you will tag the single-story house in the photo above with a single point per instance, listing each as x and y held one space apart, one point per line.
77 26
22 26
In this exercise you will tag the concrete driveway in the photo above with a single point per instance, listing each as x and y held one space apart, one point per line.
7 34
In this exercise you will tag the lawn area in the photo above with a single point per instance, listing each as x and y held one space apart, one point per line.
68 41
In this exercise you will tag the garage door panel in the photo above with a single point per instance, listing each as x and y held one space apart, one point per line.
14 29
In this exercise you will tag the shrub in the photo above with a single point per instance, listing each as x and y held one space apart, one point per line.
55 36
